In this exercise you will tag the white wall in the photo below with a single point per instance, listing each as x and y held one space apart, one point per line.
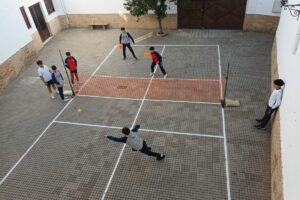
14 34
289 70
47 17
100 6
261 7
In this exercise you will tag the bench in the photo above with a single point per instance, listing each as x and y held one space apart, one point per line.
95 26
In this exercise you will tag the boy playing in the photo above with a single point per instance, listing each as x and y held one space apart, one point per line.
71 64
46 77
58 79
132 139
273 104
157 59
124 39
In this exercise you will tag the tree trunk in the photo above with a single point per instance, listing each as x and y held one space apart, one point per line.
160 26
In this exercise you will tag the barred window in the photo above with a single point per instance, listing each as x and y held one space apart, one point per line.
22 9
49 6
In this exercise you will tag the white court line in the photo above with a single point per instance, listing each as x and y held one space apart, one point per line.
141 129
123 148
49 125
178 79
220 73
100 65
143 37
175 45
89 125
224 132
154 100
181 133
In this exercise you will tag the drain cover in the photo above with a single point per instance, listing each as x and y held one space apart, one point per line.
122 87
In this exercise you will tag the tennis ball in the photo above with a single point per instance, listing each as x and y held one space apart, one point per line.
79 110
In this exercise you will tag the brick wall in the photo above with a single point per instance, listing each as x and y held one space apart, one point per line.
260 23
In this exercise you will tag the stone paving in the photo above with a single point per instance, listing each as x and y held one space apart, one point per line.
72 161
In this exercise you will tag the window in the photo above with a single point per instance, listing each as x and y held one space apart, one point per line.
25 17
49 6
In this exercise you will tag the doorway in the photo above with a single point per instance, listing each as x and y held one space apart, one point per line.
39 21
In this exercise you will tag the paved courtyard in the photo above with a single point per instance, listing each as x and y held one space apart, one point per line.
49 150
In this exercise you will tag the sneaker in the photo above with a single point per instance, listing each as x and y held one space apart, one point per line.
66 99
260 127
52 96
165 76
162 156
258 120
151 74
57 92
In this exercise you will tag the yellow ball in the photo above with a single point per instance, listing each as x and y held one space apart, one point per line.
78 109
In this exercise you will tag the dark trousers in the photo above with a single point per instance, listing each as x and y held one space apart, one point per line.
267 116
146 150
160 64
61 92
130 49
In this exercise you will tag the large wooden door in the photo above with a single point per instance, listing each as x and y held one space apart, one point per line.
39 21
212 14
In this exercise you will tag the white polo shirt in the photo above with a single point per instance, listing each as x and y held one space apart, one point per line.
45 73
275 98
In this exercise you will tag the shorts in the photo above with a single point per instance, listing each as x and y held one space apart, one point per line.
74 71
48 83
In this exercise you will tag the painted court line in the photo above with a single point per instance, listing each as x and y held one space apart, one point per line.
175 45
89 125
224 132
181 133
148 78
141 129
150 100
143 37
122 151
49 125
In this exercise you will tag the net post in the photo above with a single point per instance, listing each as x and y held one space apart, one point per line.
68 77
223 101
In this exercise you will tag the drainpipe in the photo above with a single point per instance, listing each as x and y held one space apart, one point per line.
65 11
297 40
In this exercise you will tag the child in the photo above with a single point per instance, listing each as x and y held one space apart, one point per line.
273 104
71 64
132 139
157 59
124 39
45 75
59 81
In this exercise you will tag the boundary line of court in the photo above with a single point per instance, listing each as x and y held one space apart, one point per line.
141 129
150 100
50 124
224 131
178 79
134 121
176 45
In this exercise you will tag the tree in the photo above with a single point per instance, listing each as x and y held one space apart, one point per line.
142 7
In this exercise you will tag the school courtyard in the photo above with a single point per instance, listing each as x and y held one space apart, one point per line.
50 149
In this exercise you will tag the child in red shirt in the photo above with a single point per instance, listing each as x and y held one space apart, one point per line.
71 64
157 59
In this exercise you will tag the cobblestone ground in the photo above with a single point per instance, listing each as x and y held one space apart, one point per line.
72 159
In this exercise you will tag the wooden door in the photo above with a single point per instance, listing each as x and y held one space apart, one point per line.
212 14
39 21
